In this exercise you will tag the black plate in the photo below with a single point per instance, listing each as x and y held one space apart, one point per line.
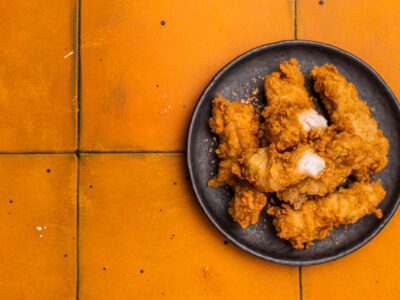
236 81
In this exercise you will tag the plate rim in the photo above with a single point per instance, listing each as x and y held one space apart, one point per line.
214 222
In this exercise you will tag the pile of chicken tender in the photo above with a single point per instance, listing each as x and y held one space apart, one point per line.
299 157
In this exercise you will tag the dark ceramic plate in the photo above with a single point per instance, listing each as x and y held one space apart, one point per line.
236 81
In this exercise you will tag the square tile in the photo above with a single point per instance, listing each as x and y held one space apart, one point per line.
369 273
37 76
143 236
38 226
145 63
368 29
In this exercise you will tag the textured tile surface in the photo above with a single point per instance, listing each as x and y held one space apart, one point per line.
369 273
38 226
37 78
143 236
141 79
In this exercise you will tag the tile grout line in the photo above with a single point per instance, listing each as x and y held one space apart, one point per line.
295 19
78 128
76 152
134 152
77 226
78 74
300 283
38 152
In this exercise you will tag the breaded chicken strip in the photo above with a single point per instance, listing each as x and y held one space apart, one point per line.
285 87
353 145
245 207
237 125
271 171
341 154
339 96
352 115
290 117
316 218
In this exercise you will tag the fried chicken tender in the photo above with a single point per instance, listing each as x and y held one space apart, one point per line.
226 173
353 145
352 115
237 125
301 158
339 96
285 87
340 152
245 207
270 171
289 115
316 218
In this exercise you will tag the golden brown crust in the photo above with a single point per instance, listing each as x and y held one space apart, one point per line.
285 87
247 204
286 99
291 137
236 125
352 115
272 171
317 217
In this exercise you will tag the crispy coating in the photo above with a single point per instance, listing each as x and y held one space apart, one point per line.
247 204
236 125
285 87
341 155
287 100
317 217
339 96
353 145
301 159
352 115
272 171
226 173
284 127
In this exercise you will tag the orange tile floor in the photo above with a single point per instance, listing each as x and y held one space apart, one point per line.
95 101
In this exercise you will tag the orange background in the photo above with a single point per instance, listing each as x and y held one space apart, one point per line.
119 220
